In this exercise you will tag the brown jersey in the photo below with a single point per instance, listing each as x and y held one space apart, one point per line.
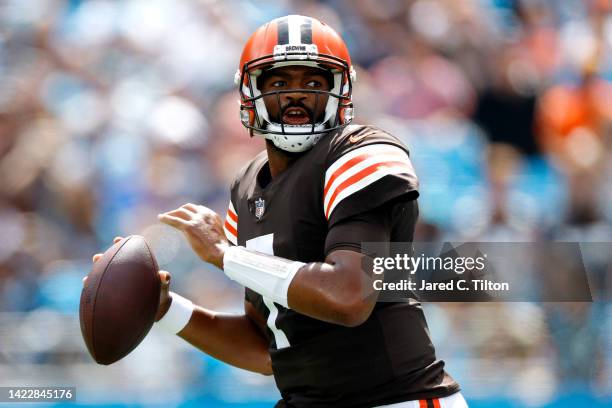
353 186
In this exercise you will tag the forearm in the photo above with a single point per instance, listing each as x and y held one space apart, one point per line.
323 291
314 291
233 339
332 291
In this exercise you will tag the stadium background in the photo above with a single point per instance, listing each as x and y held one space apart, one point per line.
113 111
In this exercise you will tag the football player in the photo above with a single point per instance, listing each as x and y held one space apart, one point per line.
292 236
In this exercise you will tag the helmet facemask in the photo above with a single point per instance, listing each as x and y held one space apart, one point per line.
338 111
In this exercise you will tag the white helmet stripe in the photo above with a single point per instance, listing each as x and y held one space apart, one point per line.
295 23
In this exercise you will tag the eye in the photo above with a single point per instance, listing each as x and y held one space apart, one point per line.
279 84
313 84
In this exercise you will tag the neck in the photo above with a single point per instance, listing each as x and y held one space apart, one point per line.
279 160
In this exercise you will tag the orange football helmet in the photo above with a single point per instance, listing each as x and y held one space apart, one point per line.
295 40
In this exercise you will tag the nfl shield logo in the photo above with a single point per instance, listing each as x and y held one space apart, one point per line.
260 207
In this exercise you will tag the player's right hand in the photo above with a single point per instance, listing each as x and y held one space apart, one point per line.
164 276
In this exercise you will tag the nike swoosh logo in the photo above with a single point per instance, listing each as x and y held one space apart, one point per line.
356 138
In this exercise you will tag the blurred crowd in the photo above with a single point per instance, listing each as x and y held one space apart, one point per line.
114 111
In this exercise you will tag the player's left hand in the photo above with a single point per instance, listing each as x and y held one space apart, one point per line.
203 228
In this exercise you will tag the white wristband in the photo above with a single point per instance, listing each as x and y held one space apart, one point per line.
177 316
268 275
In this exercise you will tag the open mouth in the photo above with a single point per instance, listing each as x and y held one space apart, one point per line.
296 116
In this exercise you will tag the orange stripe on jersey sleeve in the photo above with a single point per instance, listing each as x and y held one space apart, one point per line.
231 229
343 168
231 224
356 178
436 403
232 215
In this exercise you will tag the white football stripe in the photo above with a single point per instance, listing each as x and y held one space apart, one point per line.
366 181
370 149
357 167
232 222
231 207
230 237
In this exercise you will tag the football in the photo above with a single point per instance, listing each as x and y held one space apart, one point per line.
119 300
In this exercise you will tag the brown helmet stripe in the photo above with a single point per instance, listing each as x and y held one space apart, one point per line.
283 31
306 31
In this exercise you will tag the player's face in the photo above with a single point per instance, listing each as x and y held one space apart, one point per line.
295 108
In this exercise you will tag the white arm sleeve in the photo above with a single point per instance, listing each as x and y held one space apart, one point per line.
268 275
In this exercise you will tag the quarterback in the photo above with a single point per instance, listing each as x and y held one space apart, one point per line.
297 216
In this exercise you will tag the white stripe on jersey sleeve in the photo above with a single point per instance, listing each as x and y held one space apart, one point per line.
233 223
231 237
357 167
369 149
366 181
231 208
392 160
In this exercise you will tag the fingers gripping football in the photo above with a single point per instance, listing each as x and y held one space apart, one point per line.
98 256
203 229
164 276
164 298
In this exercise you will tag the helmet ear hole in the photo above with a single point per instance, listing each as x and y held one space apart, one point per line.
247 116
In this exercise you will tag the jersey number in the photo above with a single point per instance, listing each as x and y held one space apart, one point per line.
264 244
